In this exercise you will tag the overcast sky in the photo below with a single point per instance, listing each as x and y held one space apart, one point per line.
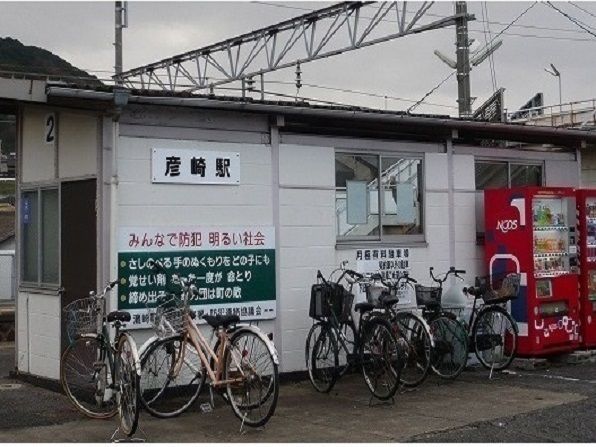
83 33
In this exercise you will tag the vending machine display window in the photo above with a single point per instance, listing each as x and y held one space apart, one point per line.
544 288
592 285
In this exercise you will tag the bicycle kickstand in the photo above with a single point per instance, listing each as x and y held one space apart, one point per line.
127 439
380 402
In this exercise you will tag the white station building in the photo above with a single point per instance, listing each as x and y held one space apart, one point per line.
252 196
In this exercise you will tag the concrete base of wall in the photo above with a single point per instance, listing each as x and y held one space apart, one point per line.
43 382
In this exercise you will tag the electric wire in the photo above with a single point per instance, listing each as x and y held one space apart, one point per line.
430 14
455 71
359 92
582 9
490 57
572 19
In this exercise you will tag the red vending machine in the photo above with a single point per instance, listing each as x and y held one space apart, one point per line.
586 209
532 230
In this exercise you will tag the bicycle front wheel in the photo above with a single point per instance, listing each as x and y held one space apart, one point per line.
450 351
322 358
415 339
381 358
252 378
86 377
172 376
494 335
128 384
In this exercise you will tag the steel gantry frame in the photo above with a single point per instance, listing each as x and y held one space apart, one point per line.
277 46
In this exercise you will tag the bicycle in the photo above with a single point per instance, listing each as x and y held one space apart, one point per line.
412 332
371 345
99 376
494 331
176 366
450 353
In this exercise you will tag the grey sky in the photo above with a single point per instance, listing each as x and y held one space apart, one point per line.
82 33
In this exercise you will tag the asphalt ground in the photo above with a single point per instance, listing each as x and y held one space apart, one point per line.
557 404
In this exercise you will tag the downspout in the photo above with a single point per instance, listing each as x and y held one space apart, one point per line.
277 122
111 179
451 197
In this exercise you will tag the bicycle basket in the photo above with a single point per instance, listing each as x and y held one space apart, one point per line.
170 317
498 288
84 316
428 296
330 299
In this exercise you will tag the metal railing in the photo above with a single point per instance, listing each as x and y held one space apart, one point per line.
570 114
8 281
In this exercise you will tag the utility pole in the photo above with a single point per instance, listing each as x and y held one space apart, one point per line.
463 60
121 19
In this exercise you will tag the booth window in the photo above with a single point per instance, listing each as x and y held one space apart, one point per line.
378 198
40 230
504 174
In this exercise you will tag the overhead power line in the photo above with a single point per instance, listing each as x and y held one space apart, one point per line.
455 71
359 92
572 19
582 9
430 14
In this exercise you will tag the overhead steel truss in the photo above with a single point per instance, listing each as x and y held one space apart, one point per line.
316 35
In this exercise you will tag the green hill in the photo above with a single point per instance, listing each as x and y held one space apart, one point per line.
33 61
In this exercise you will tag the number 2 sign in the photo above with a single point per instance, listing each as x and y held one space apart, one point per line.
50 129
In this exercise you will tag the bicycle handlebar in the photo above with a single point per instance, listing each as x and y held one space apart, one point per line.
452 271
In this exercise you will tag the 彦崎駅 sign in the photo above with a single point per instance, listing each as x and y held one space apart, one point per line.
234 267
195 166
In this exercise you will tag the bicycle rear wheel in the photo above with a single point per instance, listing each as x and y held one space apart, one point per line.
128 384
450 351
494 335
253 386
322 360
86 376
415 340
381 358
172 376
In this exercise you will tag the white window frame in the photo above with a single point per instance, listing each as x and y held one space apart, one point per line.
509 163
39 284
383 239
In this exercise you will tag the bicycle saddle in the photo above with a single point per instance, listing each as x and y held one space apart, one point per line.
221 320
118 315
364 307
388 300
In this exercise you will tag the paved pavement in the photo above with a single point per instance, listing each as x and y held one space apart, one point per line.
539 406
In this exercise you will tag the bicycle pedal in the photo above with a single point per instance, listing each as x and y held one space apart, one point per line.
206 407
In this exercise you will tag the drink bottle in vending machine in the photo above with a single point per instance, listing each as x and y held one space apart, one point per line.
535 228
586 212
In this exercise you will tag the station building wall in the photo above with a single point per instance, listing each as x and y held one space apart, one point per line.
287 182
73 155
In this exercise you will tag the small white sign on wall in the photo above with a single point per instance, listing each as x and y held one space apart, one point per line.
195 166
49 134
390 263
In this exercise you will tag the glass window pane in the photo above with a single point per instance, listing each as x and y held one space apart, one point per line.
491 175
29 221
401 185
49 216
526 175
359 168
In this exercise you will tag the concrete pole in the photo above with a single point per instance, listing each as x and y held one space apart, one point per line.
118 42
463 61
